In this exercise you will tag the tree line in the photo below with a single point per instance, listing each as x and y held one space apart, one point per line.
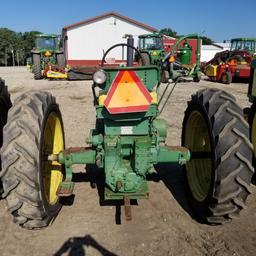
15 47
169 32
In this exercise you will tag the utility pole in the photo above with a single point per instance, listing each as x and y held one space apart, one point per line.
17 57
5 56
13 60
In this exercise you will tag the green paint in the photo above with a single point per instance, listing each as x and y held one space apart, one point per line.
243 44
184 53
168 155
128 145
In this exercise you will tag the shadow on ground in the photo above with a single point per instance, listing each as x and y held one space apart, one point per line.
174 179
172 176
77 246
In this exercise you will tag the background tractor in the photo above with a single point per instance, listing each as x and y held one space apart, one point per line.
243 44
47 52
151 48
229 65
127 142
5 104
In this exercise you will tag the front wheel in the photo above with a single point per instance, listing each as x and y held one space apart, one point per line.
197 78
220 171
34 130
226 78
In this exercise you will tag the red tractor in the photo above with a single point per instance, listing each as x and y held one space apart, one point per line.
224 69
228 65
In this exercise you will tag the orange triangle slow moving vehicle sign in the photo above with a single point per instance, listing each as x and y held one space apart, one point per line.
127 94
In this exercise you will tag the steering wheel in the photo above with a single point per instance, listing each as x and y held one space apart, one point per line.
118 45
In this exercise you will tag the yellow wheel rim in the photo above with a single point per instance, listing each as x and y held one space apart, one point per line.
53 143
253 133
199 169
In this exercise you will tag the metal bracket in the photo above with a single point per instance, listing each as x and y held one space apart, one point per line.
127 208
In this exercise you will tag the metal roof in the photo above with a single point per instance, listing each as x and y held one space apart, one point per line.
111 14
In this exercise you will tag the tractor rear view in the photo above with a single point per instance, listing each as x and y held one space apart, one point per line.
47 52
5 104
127 142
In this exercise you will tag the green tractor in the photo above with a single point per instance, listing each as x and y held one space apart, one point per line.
5 105
47 51
151 48
127 142
243 44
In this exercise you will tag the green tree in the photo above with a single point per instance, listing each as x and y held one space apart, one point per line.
206 40
28 39
8 43
169 32
15 47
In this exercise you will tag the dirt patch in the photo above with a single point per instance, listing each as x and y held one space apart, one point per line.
162 225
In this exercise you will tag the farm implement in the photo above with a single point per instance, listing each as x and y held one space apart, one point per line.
177 63
47 55
127 142
227 66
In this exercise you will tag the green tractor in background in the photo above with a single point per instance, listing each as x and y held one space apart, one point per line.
243 44
47 51
151 48
127 142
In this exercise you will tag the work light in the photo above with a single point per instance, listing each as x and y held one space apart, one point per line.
99 77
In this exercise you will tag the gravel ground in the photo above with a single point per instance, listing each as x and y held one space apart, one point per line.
161 225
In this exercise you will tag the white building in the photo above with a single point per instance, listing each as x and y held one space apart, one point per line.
208 51
86 41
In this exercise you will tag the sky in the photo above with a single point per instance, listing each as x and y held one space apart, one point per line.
219 20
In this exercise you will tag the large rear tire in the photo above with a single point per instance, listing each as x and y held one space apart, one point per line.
34 130
220 171
5 104
144 60
37 66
